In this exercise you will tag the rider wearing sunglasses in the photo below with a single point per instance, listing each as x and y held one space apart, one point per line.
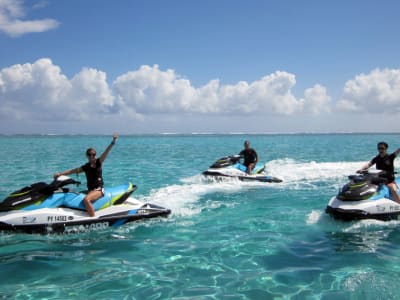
94 175
385 162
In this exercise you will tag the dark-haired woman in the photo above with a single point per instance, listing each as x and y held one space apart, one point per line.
385 162
94 175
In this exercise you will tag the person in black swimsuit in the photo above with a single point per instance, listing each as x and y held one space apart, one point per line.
250 157
94 175
385 162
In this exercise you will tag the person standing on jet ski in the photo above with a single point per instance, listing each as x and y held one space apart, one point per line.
94 175
250 157
385 162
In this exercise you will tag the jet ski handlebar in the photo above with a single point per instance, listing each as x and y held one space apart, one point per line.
369 172
374 176
63 181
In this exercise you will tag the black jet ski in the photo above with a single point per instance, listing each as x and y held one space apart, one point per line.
54 208
364 196
230 166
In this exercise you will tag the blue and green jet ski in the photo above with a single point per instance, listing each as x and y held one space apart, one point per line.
231 166
54 208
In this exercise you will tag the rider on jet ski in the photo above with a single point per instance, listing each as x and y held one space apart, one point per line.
94 175
384 162
250 157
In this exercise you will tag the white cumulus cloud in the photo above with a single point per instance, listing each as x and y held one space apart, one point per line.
150 90
376 92
316 100
41 91
13 22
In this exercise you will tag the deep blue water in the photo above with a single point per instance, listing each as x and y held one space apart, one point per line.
223 240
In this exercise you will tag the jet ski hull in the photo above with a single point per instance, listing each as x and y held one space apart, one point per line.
245 177
380 209
230 167
69 221
53 208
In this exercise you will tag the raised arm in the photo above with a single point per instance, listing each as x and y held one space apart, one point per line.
105 153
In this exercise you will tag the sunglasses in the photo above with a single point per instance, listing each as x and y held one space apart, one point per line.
91 154
381 148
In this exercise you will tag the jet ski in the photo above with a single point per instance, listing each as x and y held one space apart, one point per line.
55 208
230 166
364 196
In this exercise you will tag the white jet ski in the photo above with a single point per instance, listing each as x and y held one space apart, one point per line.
53 208
230 166
365 196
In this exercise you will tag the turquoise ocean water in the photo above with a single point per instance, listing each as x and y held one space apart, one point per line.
223 240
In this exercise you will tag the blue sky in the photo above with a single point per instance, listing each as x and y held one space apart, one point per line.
97 66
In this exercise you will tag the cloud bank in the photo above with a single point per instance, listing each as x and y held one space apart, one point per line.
150 90
40 91
12 22
41 87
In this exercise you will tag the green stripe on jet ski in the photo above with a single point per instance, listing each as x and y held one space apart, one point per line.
115 199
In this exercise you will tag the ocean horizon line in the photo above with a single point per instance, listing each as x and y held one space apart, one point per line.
203 133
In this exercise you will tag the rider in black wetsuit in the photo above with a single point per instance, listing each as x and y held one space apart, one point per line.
250 157
385 162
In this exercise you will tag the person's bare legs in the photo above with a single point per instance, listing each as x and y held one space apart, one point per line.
250 168
393 190
91 197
